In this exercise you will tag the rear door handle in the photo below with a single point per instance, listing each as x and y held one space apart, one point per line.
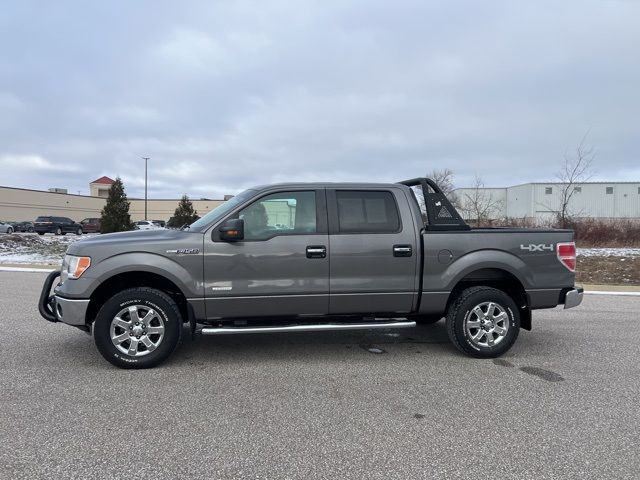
316 251
402 250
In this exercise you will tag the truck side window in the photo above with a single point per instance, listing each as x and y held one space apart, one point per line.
282 213
367 212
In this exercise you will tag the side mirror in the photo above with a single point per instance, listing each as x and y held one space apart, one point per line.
232 230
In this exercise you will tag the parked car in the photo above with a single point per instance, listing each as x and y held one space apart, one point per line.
146 225
57 225
6 227
344 257
90 225
160 223
24 227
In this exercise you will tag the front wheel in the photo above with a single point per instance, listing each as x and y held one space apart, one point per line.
483 322
138 328
30 230
9 230
79 231
58 231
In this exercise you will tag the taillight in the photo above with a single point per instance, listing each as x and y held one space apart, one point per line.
567 255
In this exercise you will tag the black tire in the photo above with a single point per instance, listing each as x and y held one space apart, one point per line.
9 231
143 297
40 233
30 230
462 311
79 231
426 319
58 231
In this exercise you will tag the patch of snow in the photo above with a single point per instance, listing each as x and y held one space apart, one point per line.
608 252
31 248
30 258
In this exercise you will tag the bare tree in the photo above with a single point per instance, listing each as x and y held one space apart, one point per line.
576 168
444 179
480 205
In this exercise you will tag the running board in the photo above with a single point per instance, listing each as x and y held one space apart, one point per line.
305 328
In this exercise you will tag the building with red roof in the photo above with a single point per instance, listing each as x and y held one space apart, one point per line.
100 187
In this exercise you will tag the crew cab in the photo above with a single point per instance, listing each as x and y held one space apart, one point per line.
311 257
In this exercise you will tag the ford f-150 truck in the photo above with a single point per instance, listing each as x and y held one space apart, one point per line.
305 257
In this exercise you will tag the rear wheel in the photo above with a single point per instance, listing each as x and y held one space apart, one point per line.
40 233
30 230
138 328
58 231
79 231
483 322
9 230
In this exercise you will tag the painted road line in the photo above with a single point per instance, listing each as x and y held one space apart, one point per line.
599 292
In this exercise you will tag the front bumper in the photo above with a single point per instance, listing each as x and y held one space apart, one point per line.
55 308
573 297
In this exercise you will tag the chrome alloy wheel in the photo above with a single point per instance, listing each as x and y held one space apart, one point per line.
487 324
137 330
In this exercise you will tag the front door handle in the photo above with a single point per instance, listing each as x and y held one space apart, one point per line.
402 250
316 251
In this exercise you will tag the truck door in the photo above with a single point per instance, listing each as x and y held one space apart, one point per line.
282 265
373 255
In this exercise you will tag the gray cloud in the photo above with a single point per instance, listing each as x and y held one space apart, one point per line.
224 95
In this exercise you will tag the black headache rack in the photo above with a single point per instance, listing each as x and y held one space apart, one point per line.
441 214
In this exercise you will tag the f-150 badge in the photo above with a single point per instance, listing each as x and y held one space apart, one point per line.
541 247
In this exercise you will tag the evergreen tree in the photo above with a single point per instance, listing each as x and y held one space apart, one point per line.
185 213
115 214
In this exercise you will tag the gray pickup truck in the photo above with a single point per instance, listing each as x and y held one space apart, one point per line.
305 257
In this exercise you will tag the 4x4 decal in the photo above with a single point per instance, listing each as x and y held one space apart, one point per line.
540 247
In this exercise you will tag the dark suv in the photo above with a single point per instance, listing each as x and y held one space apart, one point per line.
57 225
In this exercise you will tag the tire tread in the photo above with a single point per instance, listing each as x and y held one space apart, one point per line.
152 291
453 311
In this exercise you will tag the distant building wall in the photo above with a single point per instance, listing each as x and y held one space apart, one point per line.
542 201
164 209
17 204
518 201
21 204
598 200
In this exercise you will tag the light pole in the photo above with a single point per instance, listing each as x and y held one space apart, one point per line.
146 160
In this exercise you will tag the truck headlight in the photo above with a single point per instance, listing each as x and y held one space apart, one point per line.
73 267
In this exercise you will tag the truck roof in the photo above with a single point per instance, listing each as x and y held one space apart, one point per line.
326 185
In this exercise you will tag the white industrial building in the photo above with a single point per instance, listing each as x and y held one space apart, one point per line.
541 201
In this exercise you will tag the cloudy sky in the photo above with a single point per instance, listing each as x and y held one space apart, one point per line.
227 94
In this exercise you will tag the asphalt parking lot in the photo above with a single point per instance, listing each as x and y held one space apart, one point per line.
563 403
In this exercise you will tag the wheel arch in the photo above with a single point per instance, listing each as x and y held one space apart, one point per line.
132 279
500 278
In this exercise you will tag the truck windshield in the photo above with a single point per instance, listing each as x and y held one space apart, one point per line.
221 210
